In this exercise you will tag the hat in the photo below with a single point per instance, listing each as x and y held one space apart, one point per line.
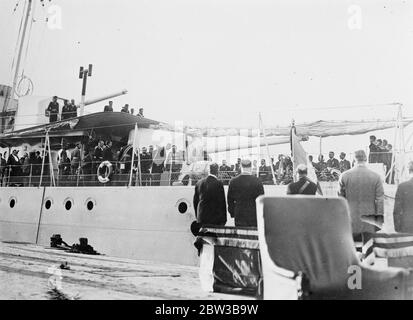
246 163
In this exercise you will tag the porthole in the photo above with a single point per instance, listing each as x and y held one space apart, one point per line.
48 204
90 204
68 203
12 202
182 205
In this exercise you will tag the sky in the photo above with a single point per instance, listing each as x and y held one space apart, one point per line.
221 62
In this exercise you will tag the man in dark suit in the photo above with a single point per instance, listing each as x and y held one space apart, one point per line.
109 108
209 199
303 185
225 172
332 162
264 173
146 164
373 150
242 192
14 163
344 164
403 205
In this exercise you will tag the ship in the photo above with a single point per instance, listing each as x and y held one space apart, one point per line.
113 209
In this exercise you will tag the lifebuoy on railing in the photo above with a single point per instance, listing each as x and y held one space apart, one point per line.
107 173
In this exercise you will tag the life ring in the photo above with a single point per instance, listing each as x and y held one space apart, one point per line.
107 173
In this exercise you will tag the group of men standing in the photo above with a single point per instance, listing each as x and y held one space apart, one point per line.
211 205
69 110
16 167
125 109
281 169
381 152
332 163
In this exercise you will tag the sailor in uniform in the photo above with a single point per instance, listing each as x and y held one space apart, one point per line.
53 110
66 110
73 109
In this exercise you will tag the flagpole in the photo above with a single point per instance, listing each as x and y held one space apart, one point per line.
44 155
292 149
133 155
268 148
50 161
258 146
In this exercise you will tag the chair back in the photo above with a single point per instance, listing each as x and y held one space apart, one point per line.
307 234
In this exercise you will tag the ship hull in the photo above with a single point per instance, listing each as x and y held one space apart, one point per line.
138 222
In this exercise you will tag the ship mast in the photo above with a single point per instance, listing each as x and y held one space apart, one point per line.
21 45
27 13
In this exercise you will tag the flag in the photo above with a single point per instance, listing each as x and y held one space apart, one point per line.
299 156
298 152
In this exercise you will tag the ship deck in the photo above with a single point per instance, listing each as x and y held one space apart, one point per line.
30 272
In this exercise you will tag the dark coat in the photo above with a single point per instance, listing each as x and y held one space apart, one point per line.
403 207
344 165
209 202
98 154
15 166
53 110
146 162
333 163
242 192
294 188
107 154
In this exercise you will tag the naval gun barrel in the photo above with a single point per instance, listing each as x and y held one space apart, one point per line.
109 96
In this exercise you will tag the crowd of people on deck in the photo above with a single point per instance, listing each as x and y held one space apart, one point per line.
14 166
381 152
69 110
124 109
155 161
150 161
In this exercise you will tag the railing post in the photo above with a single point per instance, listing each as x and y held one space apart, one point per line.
8 176
30 177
